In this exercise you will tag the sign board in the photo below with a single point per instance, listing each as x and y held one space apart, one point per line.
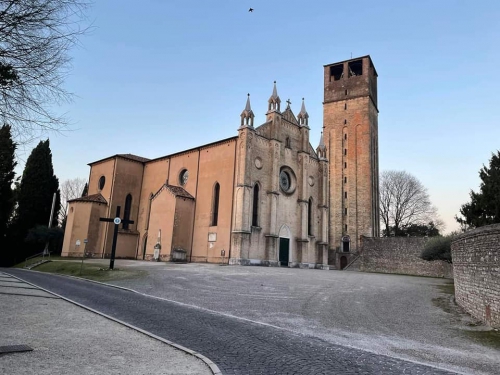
212 237
223 253
157 253
85 241
78 243
117 220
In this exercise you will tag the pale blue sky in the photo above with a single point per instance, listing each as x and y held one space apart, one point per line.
156 77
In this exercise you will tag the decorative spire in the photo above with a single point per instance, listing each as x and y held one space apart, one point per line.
321 150
247 115
274 101
303 116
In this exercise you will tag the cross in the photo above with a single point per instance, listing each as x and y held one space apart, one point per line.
289 102
117 221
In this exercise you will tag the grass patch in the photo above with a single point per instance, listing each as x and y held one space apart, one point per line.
88 271
485 337
34 260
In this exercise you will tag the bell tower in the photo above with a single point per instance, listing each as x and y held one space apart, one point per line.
350 116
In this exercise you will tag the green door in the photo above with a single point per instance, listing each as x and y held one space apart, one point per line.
284 251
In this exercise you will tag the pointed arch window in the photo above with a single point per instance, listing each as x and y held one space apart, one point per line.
215 205
255 208
149 210
309 217
288 143
126 212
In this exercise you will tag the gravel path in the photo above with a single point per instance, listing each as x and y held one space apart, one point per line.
237 346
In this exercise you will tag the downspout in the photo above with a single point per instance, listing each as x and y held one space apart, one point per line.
195 199
232 204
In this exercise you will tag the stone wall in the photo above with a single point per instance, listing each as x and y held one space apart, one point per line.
476 265
400 255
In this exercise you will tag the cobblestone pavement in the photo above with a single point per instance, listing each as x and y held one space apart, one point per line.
235 345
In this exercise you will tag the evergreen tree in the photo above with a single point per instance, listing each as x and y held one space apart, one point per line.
7 174
484 207
85 191
38 184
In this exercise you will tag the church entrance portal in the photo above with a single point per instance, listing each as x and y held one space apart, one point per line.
343 262
284 251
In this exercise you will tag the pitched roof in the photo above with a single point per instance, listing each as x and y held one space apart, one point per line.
94 198
175 190
132 157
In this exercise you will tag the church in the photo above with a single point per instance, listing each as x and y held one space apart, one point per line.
263 197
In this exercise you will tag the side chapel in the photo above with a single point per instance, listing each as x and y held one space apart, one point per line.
265 196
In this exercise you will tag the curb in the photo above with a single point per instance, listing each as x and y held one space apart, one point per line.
213 367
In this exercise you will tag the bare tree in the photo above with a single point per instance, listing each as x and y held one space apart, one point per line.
35 38
70 189
404 201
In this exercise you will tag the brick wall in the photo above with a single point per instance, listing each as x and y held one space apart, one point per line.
476 265
400 255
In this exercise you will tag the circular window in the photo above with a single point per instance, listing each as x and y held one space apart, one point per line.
285 181
183 177
101 183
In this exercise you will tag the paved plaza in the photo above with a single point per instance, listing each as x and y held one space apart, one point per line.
278 320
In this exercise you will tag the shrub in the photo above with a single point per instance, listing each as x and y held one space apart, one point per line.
437 248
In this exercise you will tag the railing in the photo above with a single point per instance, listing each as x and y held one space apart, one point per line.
36 258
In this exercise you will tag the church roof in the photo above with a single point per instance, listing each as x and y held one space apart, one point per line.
175 190
131 157
94 198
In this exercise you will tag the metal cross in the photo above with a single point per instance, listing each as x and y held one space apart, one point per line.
289 102
117 221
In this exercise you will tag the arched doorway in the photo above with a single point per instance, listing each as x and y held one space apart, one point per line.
284 252
343 262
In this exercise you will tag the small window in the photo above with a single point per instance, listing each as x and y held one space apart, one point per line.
346 92
287 142
183 177
126 212
345 211
345 164
345 228
102 182
345 106
345 137
345 180
345 194
345 151
345 122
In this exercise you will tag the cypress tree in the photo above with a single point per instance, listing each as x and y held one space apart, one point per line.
7 174
38 184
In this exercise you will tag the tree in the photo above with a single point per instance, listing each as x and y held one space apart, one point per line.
438 248
7 175
35 38
484 207
35 194
404 202
416 230
70 189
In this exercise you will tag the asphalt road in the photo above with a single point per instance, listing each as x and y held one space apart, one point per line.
237 346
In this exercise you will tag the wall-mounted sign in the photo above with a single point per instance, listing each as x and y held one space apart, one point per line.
212 237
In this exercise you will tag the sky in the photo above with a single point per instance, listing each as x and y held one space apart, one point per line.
156 77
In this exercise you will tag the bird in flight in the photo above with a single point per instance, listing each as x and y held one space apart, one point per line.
250 10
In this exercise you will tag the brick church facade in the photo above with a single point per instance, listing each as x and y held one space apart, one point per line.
265 196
